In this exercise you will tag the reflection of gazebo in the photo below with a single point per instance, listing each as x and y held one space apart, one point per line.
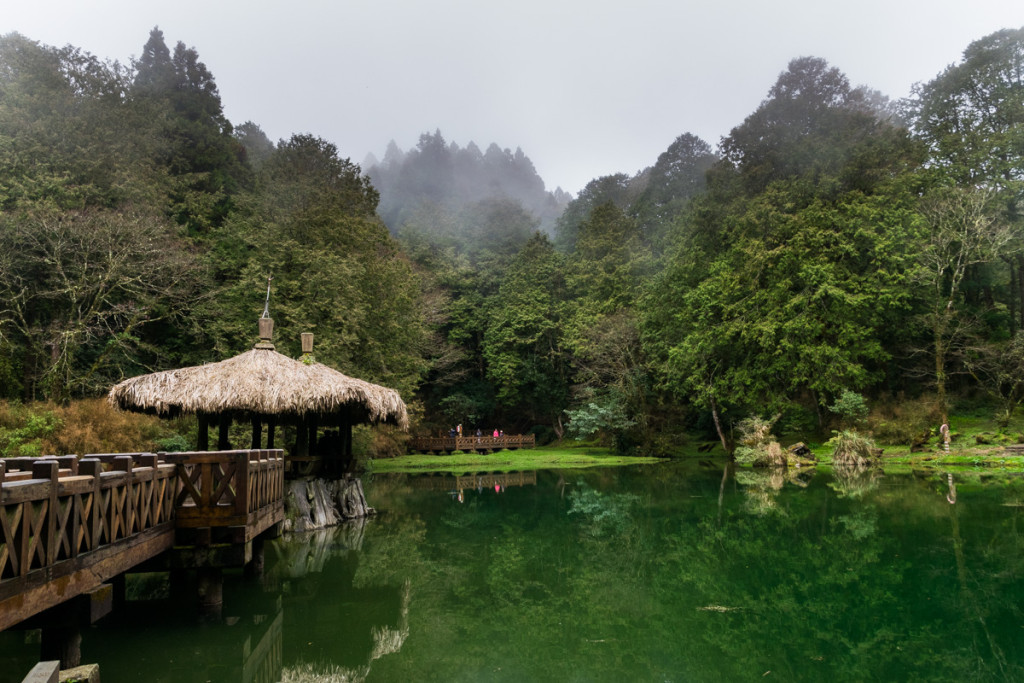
266 388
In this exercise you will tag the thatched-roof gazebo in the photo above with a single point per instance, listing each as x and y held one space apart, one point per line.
264 387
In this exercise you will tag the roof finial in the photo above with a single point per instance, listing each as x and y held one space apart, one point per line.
266 306
266 324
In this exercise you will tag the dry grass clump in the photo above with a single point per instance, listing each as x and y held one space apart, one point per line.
852 449
94 426
757 445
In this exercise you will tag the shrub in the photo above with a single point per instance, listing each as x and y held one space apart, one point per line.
850 407
175 443
94 426
24 430
757 446
852 449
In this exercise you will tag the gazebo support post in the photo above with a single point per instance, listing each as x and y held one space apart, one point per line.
302 439
346 434
314 424
257 431
222 437
343 458
203 440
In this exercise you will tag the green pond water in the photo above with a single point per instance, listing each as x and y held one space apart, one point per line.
672 572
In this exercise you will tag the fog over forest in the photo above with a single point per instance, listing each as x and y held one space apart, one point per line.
447 175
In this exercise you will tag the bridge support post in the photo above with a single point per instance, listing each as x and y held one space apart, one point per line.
120 590
180 585
62 625
211 591
254 569
62 643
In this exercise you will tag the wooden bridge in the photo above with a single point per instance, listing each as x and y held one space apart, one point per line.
478 444
70 525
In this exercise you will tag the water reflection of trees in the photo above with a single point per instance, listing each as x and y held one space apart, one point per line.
762 485
853 481
855 580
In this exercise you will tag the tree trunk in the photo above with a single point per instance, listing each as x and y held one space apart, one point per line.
940 369
718 427
1011 300
817 410
1020 290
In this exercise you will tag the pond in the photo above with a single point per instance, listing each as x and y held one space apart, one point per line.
682 571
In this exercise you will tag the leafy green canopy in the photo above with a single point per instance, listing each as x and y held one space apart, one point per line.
524 339
787 276
336 271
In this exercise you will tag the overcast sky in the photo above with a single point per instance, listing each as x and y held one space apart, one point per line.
585 87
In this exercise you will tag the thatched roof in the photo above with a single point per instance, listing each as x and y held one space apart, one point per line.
261 382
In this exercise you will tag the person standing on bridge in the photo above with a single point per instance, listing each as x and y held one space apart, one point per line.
495 432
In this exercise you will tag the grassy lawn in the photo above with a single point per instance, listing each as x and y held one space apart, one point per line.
978 443
545 457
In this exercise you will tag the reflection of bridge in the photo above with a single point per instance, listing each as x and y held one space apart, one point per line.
474 481
249 653
478 444
70 525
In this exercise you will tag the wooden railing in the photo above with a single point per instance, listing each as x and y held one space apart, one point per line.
447 444
229 489
66 529
68 525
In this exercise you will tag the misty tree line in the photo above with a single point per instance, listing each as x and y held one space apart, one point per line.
450 177
834 240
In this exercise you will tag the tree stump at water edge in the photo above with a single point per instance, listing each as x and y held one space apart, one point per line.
313 503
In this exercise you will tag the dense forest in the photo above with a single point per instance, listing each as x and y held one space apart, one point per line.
836 246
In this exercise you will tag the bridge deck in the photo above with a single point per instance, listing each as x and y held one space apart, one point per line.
68 525
478 444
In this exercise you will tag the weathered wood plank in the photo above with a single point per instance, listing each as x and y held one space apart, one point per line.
25 596
266 517
15 492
